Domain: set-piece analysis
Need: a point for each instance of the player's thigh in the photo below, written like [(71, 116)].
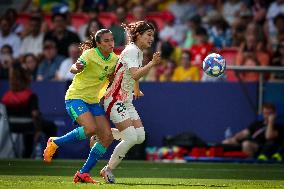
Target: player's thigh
[(79, 112), (134, 116), (103, 129), (118, 113), (88, 122)]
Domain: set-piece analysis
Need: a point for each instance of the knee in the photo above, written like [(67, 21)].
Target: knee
[(129, 135), (140, 135), (89, 131), (249, 147)]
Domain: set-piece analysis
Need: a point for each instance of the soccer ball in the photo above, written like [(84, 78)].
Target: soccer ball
[(214, 65)]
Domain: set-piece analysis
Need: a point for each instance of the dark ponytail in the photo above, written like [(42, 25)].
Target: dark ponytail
[(94, 38)]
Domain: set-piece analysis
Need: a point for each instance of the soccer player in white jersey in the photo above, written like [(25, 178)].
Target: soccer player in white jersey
[(118, 99)]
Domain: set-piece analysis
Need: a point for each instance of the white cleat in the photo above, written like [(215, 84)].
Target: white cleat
[(107, 175)]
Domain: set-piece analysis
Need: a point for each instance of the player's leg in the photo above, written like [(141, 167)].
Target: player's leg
[(137, 123), (102, 130), (121, 118), (250, 147), (79, 112)]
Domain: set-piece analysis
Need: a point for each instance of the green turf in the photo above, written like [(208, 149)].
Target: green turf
[(29, 174)]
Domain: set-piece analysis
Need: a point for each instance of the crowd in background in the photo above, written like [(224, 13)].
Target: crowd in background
[(43, 36)]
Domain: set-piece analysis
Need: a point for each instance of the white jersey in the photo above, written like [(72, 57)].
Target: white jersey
[(122, 86)]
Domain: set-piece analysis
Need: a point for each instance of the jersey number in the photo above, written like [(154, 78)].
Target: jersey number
[(120, 107)]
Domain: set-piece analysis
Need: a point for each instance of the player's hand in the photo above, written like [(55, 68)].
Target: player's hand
[(156, 58), (271, 118), (79, 66), (138, 94)]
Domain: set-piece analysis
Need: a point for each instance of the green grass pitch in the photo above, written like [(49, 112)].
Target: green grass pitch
[(29, 174)]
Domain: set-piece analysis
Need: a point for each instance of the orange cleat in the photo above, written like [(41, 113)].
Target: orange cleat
[(50, 149), (83, 178)]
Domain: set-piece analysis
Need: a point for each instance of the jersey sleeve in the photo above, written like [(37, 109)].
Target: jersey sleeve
[(84, 57), (130, 57)]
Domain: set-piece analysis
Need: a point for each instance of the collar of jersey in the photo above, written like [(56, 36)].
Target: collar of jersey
[(102, 57)]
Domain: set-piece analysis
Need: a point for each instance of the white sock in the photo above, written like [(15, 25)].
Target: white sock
[(140, 135), (129, 139), (116, 134)]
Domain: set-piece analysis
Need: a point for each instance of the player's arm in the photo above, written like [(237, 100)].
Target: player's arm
[(137, 93), (270, 132), (237, 137), (137, 73)]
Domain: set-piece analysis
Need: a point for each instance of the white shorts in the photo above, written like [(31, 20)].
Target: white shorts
[(119, 111)]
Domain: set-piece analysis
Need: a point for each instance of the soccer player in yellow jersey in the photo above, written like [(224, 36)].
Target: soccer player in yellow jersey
[(92, 71)]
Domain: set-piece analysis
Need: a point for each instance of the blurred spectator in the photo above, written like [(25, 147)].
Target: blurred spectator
[(50, 63), (48, 6), (259, 11), (254, 137), (32, 43), (169, 51), (21, 102), (278, 60), (117, 30), (275, 8), (278, 34), (238, 33), (83, 5), (182, 10), (6, 61), (231, 10), (12, 15), (172, 32), (139, 13), (30, 63), (249, 60), (219, 31), (37, 12), (185, 71), (93, 26), (63, 73), (62, 37), (255, 43), (165, 70), (201, 48), (8, 37), (92, 14), (191, 24)]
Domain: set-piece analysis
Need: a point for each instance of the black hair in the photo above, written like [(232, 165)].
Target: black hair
[(64, 16), (36, 19), (136, 28), (9, 47), (93, 39)]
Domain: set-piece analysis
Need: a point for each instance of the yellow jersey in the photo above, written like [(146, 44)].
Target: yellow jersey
[(190, 74), (90, 85)]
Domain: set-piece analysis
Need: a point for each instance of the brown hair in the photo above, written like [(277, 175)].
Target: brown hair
[(135, 28), (269, 106), (19, 78)]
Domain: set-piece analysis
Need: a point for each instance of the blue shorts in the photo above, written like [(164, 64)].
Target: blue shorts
[(77, 107)]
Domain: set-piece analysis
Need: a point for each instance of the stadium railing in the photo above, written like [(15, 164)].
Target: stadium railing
[(261, 70)]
